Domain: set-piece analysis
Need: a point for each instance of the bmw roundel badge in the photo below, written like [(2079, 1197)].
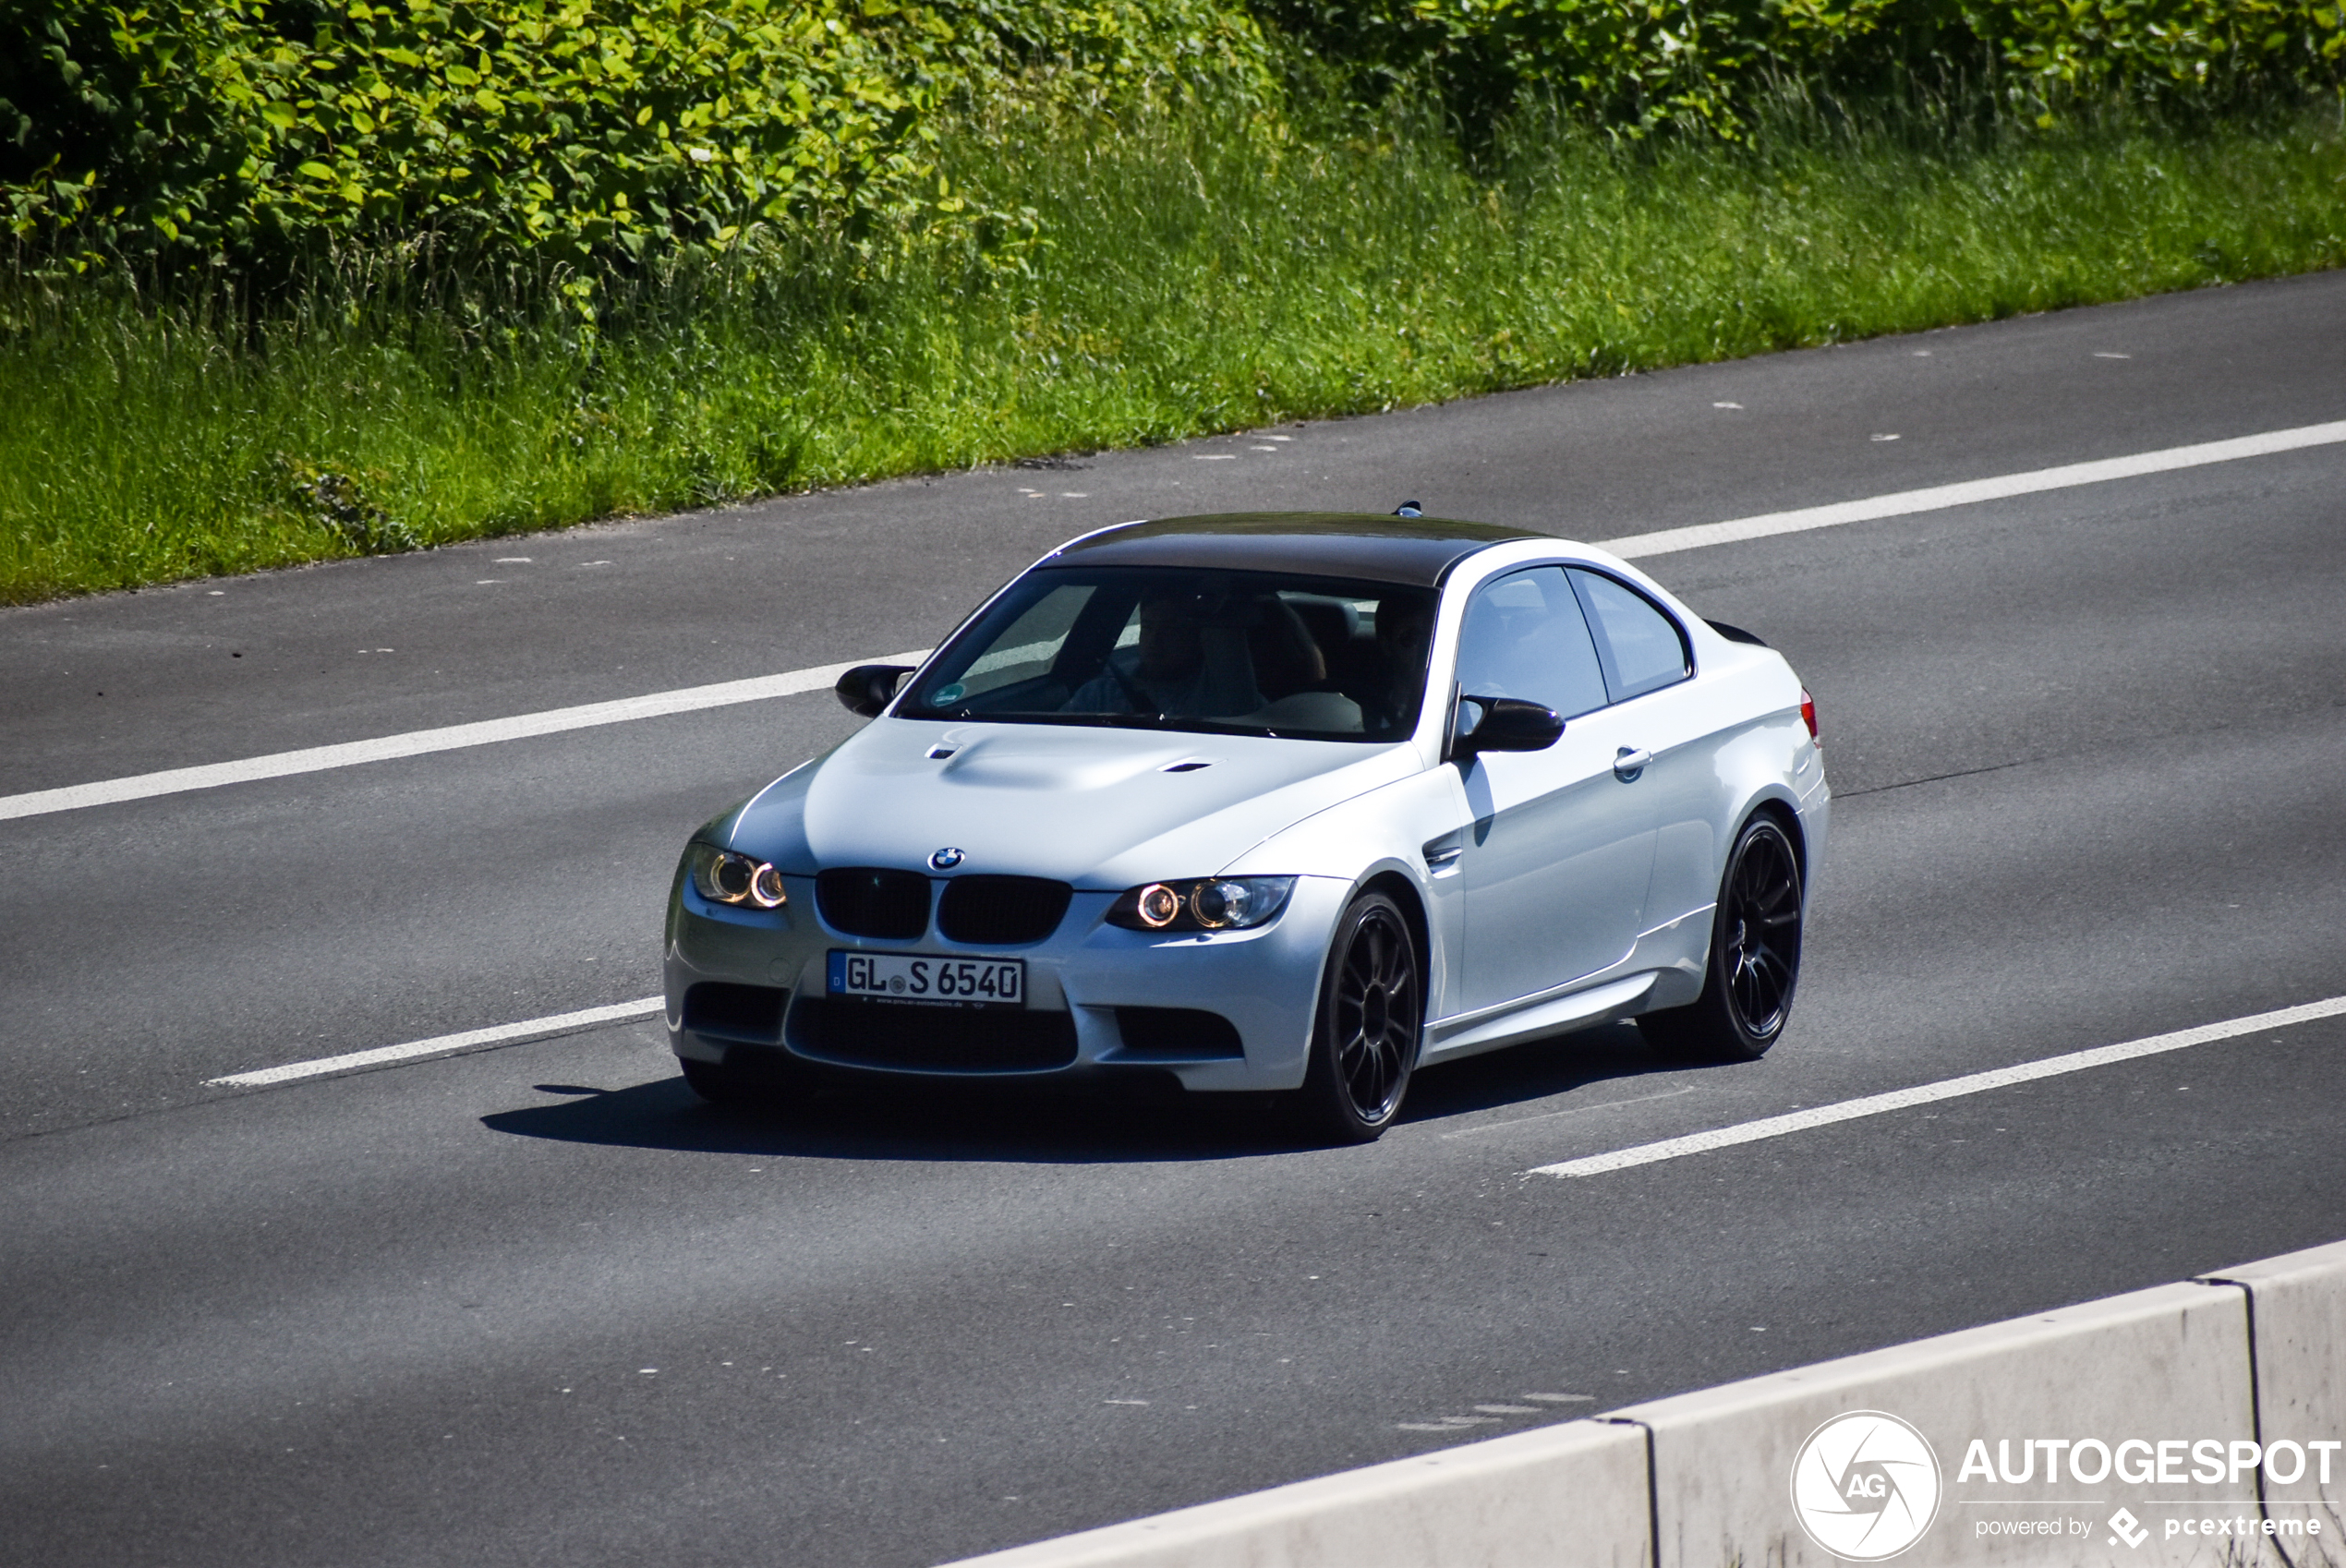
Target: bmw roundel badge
[(945, 860)]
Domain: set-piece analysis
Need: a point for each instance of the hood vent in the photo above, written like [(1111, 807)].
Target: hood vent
[(1002, 910), (1190, 766), (870, 901)]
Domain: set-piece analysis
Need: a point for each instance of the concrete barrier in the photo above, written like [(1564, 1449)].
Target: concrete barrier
[(2297, 1315), (2162, 1364), (1572, 1493), (2139, 1429)]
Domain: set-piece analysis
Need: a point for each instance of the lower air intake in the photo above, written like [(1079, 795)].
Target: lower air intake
[(1177, 1034), (735, 1012), (883, 1034)]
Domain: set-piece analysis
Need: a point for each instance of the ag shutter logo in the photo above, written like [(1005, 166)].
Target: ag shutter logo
[(1866, 1486)]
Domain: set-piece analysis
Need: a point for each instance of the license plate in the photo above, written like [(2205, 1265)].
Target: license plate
[(954, 982)]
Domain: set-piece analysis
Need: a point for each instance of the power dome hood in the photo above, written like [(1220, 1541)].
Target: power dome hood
[(1100, 808)]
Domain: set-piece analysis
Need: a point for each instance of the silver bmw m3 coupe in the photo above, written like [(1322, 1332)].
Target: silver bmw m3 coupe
[(1284, 801)]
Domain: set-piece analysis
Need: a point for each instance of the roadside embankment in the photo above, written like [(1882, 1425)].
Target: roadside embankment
[(281, 285), (1183, 281)]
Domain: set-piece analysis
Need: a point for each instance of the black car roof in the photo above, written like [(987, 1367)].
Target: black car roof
[(1322, 544)]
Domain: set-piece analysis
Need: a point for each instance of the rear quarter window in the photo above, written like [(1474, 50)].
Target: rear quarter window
[(1641, 649)]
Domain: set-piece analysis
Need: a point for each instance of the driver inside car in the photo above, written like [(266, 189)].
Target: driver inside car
[(1191, 659), (1404, 635)]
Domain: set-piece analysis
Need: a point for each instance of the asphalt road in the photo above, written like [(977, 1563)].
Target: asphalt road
[(536, 1305)]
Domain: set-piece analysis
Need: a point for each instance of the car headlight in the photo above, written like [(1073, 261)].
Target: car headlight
[(724, 877), (1211, 903)]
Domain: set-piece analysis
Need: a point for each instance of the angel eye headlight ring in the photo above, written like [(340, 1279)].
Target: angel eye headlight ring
[(724, 876), (1158, 906), (1220, 904), (729, 878), (1210, 903)]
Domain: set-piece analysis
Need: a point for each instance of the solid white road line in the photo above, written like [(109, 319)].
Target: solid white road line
[(1946, 1089), (657, 704), (1939, 497), (278, 765), (445, 1044)]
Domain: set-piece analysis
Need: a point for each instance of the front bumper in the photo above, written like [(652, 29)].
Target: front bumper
[(1264, 982)]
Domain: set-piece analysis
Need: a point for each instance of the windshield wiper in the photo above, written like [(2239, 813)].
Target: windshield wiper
[(1125, 720), (1185, 723)]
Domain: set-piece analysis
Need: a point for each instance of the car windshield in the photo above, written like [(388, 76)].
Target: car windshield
[(1256, 652)]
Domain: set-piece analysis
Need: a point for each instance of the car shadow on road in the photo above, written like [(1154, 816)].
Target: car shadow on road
[(916, 1122), (1101, 1124), (1540, 1070)]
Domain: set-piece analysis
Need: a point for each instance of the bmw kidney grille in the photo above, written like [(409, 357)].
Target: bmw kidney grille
[(1002, 910), (869, 901)]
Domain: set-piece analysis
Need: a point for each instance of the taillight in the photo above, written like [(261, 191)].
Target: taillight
[(1808, 715)]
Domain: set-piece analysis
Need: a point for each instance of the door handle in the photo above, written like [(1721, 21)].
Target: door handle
[(1629, 761)]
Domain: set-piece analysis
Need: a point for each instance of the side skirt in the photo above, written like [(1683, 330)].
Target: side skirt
[(1447, 1039)]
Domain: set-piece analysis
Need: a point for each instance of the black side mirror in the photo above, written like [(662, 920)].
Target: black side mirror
[(1508, 724), (869, 688)]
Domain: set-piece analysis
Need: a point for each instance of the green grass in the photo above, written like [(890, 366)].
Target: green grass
[(1189, 279)]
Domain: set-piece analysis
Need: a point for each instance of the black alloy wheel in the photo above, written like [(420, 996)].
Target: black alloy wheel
[(1755, 956), (1762, 940), (1364, 1042)]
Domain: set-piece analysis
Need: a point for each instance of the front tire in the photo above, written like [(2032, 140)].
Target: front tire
[(1755, 957), (1365, 1039)]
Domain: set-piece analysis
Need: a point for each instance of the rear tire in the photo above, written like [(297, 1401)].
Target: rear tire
[(1755, 957), (1365, 1038)]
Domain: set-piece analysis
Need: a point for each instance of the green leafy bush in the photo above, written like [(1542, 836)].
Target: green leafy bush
[(1633, 65), (569, 137), (296, 279), (253, 134)]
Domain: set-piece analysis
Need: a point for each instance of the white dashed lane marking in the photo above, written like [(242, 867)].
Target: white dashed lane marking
[(444, 1044), (1945, 1089), (1937, 497), (315, 759), (418, 743), (1496, 1412)]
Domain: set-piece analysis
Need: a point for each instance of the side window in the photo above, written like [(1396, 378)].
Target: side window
[(1642, 649), (1524, 636)]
